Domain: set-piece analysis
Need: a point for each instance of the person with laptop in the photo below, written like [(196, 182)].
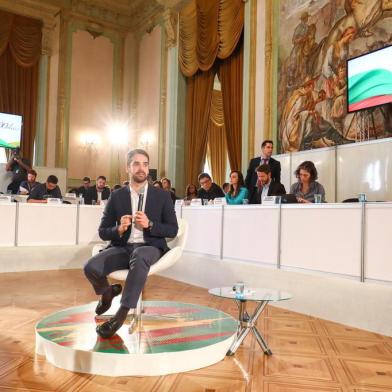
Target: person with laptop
[(265, 186), (42, 192), (307, 187)]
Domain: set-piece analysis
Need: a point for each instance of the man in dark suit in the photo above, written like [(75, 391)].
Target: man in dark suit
[(208, 189), (137, 219), (265, 185), (98, 192), (83, 189), (265, 158)]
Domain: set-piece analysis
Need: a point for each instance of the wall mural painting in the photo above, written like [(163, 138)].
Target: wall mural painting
[(315, 40)]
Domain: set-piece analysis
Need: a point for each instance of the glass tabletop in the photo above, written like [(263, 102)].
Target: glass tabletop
[(251, 294)]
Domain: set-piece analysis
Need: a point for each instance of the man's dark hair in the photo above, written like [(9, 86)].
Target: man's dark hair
[(264, 169), (86, 179), (33, 172), (134, 152), (203, 175), (101, 178), (117, 186), (52, 179), (310, 168), (266, 142)]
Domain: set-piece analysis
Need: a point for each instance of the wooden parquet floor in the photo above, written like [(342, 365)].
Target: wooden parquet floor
[(309, 354)]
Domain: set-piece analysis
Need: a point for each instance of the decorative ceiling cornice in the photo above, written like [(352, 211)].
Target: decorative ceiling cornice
[(138, 16), (45, 11)]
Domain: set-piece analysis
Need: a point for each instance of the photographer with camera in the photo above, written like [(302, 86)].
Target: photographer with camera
[(19, 166)]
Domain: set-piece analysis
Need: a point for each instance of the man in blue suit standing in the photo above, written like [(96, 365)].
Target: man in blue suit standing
[(136, 221)]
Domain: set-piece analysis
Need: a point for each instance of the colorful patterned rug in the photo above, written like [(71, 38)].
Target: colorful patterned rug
[(185, 327)]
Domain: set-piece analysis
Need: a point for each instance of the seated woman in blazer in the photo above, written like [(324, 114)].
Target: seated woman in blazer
[(307, 186)]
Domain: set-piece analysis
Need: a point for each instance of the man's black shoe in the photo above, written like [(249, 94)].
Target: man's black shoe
[(109, 328), (103, 306)]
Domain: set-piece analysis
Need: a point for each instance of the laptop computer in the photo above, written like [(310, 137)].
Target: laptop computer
[(289, 198)]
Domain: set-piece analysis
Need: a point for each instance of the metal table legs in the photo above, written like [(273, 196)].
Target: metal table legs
[(247, 323)]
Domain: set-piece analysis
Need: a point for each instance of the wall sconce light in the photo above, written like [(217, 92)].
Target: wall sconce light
[(146, 140), (90, 141)]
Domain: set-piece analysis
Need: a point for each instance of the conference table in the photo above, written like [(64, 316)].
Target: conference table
[(344, 239)]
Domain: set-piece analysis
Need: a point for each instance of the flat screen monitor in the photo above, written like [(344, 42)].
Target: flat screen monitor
[(369, 80), (10, 130)]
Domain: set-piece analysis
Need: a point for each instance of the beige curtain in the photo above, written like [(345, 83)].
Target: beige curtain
[(20, 50), (209, 29), (217, 139), (230, 75), (199, 93)]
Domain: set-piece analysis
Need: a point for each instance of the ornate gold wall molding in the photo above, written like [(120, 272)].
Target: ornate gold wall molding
[(162, 140), (65, 47), (268, 80), (170, 21), (47, 39), (252, 79)]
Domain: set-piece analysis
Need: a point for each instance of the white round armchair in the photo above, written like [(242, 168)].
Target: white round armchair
[(176, 246)]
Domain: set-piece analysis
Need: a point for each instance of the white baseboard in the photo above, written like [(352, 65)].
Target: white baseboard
[(362, 305), (39, 258)]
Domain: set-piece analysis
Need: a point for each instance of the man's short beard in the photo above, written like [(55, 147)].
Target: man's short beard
[(137, 180)]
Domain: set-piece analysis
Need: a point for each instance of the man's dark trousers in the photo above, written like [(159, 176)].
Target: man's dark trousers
[(138, 258)]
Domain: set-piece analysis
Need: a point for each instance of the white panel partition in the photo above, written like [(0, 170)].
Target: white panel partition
[(251, 233), (43, 224), (205, 229), (378, 243), (323, 238), (89, 220), (177, 208), (324, 160), (7, 224), (285, 166), (365, 168)]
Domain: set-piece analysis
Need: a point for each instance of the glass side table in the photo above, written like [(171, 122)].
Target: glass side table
[(246, 322)]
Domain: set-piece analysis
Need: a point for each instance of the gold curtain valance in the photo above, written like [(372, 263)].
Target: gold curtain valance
[(23, 36), (209, 29)]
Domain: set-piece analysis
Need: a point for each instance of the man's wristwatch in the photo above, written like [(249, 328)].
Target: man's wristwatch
[(150, 224)]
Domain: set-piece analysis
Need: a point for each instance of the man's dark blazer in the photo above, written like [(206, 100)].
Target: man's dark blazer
[(92, 194), (251, 175), (158, 208), (275, 189)]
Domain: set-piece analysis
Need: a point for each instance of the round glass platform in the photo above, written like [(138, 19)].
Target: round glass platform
[(179, 337)]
